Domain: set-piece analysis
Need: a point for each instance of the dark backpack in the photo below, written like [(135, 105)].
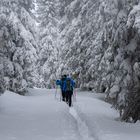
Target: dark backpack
[(62, 84), (69, 85)]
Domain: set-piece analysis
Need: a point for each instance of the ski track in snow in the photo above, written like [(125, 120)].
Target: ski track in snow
[(91, 132), (82, 127)]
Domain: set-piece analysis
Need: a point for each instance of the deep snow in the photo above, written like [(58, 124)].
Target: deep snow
[(41, 116)]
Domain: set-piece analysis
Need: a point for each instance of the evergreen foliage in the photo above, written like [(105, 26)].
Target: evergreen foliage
[(17, 45)]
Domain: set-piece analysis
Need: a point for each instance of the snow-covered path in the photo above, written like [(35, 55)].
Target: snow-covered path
[(39, 116), (35, 118)]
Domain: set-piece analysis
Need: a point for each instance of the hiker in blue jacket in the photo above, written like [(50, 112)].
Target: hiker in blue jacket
[(67, 85), (61, 84)]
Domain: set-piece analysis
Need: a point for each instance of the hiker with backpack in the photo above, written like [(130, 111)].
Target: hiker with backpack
[(67, 86), (61, 84), (69, 90)]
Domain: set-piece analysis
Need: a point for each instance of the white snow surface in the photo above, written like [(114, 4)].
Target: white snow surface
[(42, 116)]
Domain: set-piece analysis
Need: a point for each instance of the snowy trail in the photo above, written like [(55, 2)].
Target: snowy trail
[(82, 127), (35, 118), (40, 117)]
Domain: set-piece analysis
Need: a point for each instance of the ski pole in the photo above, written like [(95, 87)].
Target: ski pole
[(75, 95), (55, 93), (60, 96)]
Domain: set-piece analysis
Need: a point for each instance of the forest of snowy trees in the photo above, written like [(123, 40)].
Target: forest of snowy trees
[(95, 41)]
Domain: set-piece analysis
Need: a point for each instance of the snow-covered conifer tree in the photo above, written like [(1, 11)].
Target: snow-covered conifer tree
[(48, 18), (17, 46)]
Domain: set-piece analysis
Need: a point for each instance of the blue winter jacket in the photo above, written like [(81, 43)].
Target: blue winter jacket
[(63, 84)]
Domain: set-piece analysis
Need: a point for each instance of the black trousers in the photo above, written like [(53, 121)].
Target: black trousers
[(69, 97), (63, 95)]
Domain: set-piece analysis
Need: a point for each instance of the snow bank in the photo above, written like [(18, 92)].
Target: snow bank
[(102, 120)]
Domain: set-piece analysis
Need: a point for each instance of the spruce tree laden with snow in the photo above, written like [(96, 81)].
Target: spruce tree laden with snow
[(48, 19), (17, 45)]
